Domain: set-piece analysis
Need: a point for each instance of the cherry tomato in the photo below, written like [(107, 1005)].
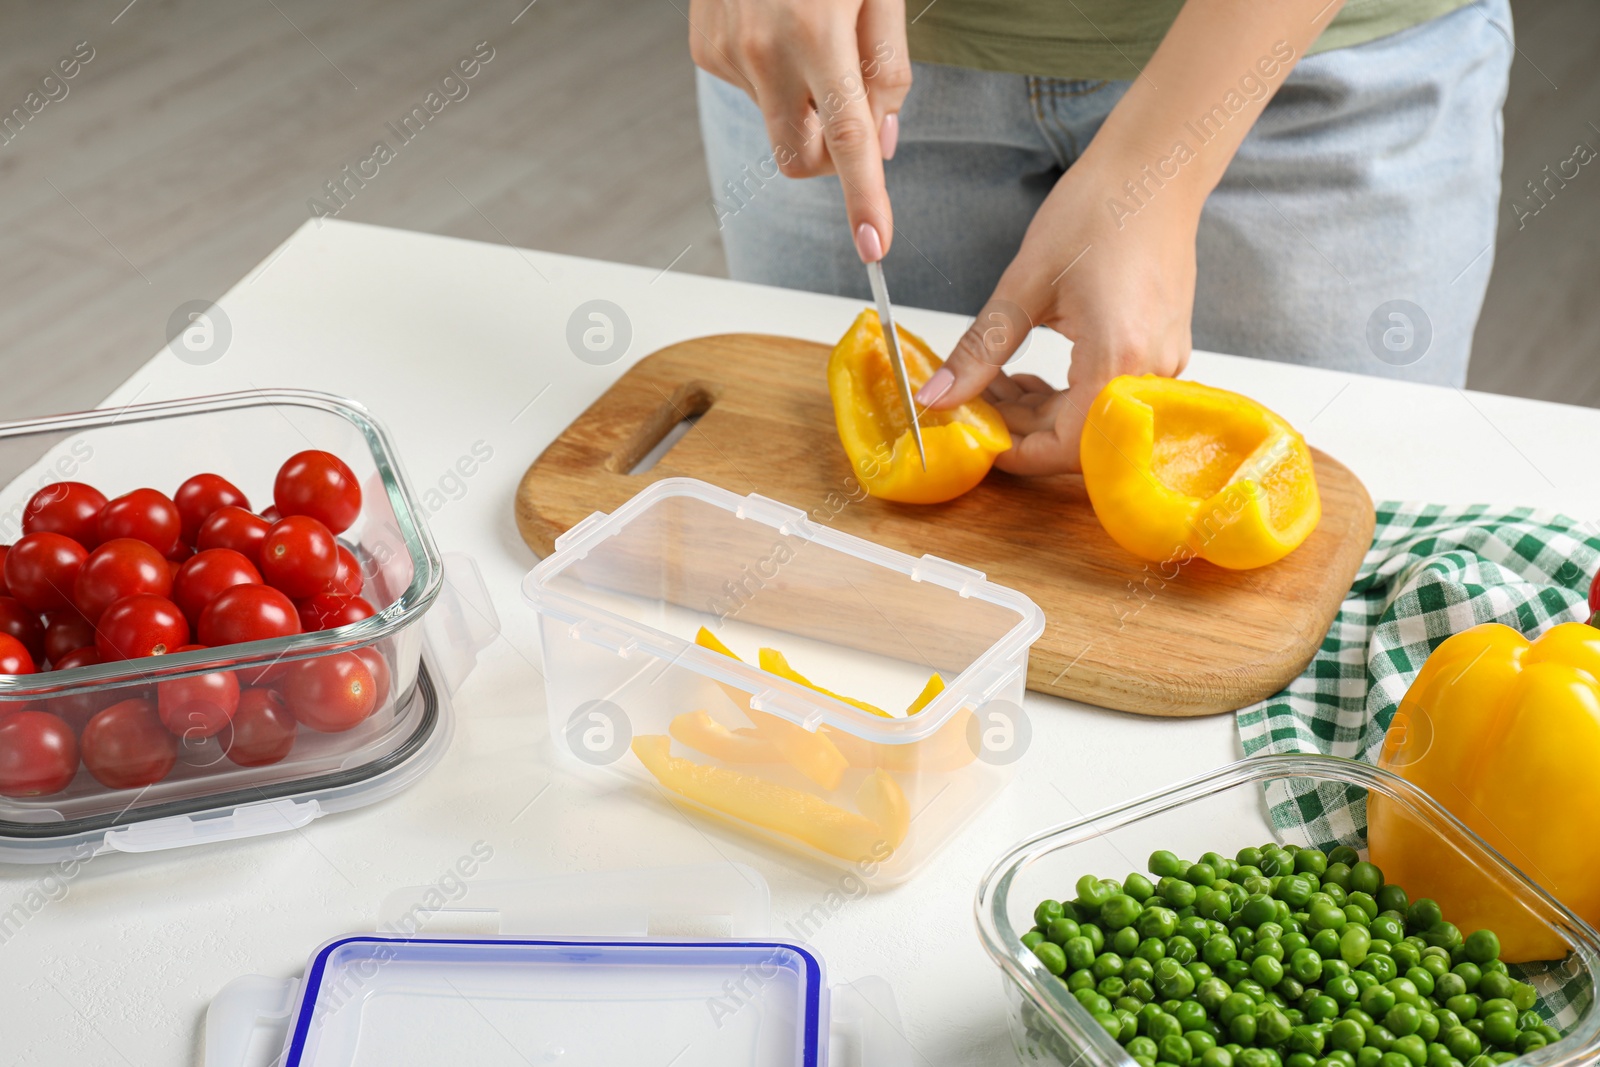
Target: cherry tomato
[(198, 497), (299, 556), (271, 513), (141, 625), (23, 624), (262, 730), (119, 568), (329, 611), (235, 528), (70, 509), (320, 485), (38, 754), (42, 568), (15, 657), (247, 613), (206, 575), (182, 554), (200, 705), (145, 515), (126, 747), (5, 590), (1594, 594), (331, 693), (347, 579), (381, 678), (65, 632), (77, 708)]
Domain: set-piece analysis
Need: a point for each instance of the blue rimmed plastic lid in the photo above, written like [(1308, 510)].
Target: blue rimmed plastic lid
[(573, 1002)]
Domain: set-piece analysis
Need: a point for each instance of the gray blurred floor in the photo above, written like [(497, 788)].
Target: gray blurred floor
[(193, 141)]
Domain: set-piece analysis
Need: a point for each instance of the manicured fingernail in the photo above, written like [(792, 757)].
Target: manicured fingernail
[(868, 245), (935, 387), (889, 134)]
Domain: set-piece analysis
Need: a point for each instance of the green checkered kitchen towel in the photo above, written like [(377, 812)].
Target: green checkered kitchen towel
[(1431, 572)]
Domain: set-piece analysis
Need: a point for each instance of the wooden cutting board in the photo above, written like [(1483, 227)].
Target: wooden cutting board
[(1120, 633)]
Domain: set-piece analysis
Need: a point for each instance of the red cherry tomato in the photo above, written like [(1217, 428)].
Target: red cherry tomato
[(38, 754), (198, 706), (15, 657), (182, 554), (271, 513), (71, 509), (1594, 594), (119, 568), (65, 632), (42, 568), (331, 693), (299, 556), (247, 613), (381, 677), (320, 485), (144, 515), (126, 747), (5, 590), (141, 625), (79, 707), (206, 575), (329, 611), (235, 528), (23, 624), (262, 731), (198, 497), (347, 579)]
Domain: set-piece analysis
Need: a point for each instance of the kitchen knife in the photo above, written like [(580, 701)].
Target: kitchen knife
[(880, 293)]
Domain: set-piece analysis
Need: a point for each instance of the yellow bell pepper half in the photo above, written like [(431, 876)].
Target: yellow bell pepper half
[(1176, 469), (884, 820), (1505, 734), (961, 443)]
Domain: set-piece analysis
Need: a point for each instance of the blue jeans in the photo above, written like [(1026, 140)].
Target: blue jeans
[(1353, 230)]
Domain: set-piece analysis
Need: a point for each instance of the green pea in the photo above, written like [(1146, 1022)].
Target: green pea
[(1402, 1019), (1046, 911), (1125, 941), (1327, 917), (1447, 986), (1344, 990), (1258, 883), (1119, 911), (1176, 892), (1334, 968), (1125, 1002), (1164, 864), (1365, 878), (1180, 948), (1524, 996), (1106, 965), (1377, 1001), (1276, 863), (1190, 1015), (1243, 1029), (1356, 1015), (1443, 935), (1326, 942), (1080, 979), (1163, 1025), (1151, 949), (1216, 1057), (1195, 928), (1050, 954), (1307, 1039), (1412, 1048), (1079, 952), (1031, 938), (1405, 954), (1388, 929), (1393, 1059), (1347, 1036), (1306, 965), (1495, 986), (1138, 887), (1369, 1056), (1092, 1000), (1200, 874), (1337, 874), (1310, 861), (1500, 1028), (1423, 915), (1211, 992), (1109, 1022), (1354, 945), (1336, 894), (1214, 905), (1158, 922), (1061, 931), (1529, 1040), (1344, 854), (1094, 892), (1174, 1049), (1383, 968), (1321, 1008), (1365, 902), (1392, 898), (1248, 857), (1235, 971), (1266, 970), (1273, 1026), (1267, 946), (1422, 978), (1096, 936), (1142, 1047), (1257, 1057), (1172, 980), (1219, 950), (1295, 890), (1141, 989), (1462, 1043)]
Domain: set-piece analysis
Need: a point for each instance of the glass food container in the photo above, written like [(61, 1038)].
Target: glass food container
[(811, 768), (1223, 811), (244, 437)]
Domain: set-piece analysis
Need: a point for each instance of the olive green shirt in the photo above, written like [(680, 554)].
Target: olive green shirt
[(1103, 39)]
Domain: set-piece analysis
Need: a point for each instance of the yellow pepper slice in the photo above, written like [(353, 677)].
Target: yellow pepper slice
[(961, 444), (1505, 733), (701, 732), (791, 812), (774, 662), (1176, 469)]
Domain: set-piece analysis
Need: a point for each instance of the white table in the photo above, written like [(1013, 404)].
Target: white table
[(453, 343)]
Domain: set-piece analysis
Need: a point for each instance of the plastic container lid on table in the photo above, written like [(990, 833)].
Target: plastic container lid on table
[(631, 693), (637, 966)]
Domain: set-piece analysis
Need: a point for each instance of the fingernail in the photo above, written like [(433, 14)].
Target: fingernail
[(935, 387), (868, 245), (889, 134)]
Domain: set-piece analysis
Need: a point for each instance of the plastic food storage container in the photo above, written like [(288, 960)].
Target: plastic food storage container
[(244, 437), (667, 966), (620, 602), (1223, 812)]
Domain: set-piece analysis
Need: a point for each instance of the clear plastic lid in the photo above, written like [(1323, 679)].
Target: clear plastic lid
[(671, 969)]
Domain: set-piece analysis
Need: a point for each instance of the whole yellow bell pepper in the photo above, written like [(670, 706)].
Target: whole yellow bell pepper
[(1176, 469), (1505, 734), (961, 444)]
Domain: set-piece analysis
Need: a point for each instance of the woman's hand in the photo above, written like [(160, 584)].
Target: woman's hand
[(1119, 284), (829, 76)]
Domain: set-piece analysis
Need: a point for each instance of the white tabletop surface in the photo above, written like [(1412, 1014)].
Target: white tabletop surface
[(454, 343)]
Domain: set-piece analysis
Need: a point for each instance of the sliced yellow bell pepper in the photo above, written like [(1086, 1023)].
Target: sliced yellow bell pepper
[(790, 812), (961, 444), (774, 662), (701, 732), (1176, 469), (1505, 733)]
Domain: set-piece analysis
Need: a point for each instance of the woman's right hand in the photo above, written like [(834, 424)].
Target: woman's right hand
[(829, 76)]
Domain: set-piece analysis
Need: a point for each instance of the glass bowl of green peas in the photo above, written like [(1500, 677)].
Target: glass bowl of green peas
[(1177, 931)]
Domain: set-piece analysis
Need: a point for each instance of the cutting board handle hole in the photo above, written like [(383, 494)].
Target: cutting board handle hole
[(668, 425)]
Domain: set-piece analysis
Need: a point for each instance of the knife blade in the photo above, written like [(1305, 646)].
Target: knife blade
[(880, 293)]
